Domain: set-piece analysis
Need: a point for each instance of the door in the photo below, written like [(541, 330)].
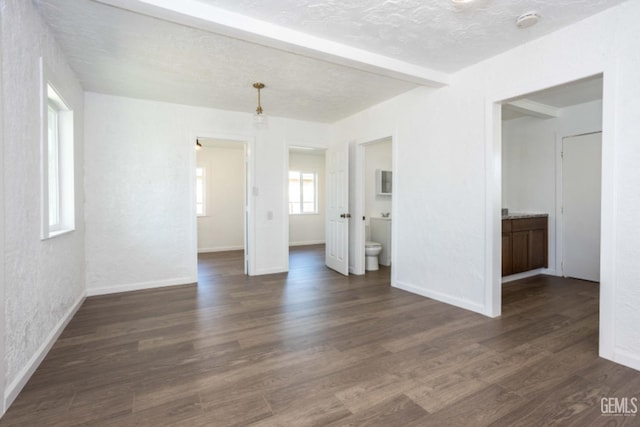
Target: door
[(337, 222), (581, 171)]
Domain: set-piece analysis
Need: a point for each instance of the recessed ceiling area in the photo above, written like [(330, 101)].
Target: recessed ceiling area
[(545, 103), (175, 52)]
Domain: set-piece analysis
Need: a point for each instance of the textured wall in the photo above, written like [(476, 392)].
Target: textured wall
[(222, 228), (43, 278), (444, 146), (2, 226), (308, 229), (140, 228)]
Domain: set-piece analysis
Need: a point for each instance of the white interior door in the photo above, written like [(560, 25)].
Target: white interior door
[(337, 221), (581, 172)]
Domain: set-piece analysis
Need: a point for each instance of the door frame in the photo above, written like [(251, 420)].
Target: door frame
[(358, 237), (493, 205), (249, 183)]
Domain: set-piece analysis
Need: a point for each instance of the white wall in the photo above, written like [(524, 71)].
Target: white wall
[(377, 156), (308, 229), (222, 228), (2, 271), (44, 279), (447, 203), (530, 159), (146, 236)]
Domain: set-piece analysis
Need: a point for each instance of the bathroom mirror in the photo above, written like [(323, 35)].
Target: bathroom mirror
[(383, 182)]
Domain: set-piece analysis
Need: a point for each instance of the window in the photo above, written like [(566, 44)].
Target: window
[(53, 157), (200, 191), (58, 197), (303, 193)]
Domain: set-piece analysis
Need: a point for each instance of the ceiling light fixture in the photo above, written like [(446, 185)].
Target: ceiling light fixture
[(260, 121), (461, 1), (527, 20), (198, 145)]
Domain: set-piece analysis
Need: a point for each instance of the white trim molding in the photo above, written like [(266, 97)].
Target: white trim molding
[(220, 249), (307, 243), (438, 296), (27, 371), (128, 287)]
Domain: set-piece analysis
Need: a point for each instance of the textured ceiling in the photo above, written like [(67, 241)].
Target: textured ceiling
[(438, 34), (115, 51), (122, 53)]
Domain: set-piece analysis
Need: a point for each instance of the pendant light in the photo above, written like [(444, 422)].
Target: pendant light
[(198, 145), (260, 121)]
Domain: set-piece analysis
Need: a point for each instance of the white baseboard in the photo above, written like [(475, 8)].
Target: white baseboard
[(25, 373), (220, 249), (627, 359), (308, 242), (141, 285), (448, 299), (524, 275), (271, 271)]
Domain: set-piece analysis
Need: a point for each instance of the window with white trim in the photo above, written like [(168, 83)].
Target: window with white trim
[(303, 193), (200, 191), (58, 185)]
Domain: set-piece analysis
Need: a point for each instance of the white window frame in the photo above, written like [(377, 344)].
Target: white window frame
[(302, 199), (204, 191), (57, 161)]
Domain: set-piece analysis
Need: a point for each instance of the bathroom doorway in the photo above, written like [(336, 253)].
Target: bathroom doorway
[(373, 206)]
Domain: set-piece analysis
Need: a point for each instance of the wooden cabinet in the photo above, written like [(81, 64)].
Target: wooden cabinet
[(507, 248), (524, 244)]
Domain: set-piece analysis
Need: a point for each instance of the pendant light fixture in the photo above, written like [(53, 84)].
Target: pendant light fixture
[(260, 121), (198, 145)]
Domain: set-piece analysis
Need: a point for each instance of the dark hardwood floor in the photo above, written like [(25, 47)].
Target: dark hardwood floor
[(312, 347)]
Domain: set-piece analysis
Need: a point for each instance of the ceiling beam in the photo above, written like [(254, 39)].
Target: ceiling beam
[(220, 21), (532, 108)]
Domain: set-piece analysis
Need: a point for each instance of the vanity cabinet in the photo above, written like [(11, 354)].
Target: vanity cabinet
[(524, 244)]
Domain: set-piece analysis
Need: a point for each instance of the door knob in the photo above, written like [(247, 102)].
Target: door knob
[(345, 215)]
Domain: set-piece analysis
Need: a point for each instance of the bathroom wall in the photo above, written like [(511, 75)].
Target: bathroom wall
[(377, 156), (308, 229), (222, 226)]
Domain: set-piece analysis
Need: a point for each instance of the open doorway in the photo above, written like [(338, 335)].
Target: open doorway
[(306, 205), (551, 198), (551, 165), (373, 206), (222, 202)]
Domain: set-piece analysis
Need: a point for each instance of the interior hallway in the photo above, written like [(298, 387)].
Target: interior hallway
[(314, 347)]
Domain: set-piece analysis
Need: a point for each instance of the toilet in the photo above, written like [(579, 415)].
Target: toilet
[(371, 251)]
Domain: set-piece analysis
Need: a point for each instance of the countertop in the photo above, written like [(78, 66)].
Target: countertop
[(520, 215)]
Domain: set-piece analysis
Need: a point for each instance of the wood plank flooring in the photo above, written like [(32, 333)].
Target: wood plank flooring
[(312, 347)]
